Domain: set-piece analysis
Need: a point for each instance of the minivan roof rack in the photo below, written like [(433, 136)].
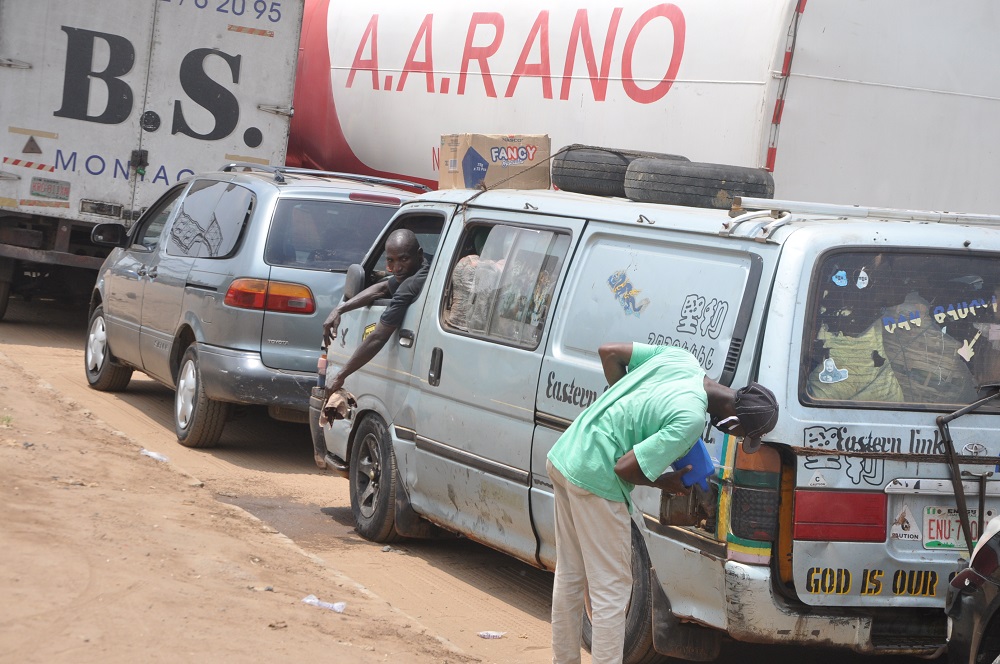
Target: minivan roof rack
[(279, 172), (743, 204)]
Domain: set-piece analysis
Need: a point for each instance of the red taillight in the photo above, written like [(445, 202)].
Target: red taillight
[(276, 296), (290, 298), (247, 293), (361, 197), (840, 516)]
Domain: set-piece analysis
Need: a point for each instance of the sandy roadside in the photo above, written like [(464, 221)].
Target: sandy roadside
[(113, 556)]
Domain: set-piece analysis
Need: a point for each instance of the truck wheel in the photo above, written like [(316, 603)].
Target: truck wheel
[(587, 169), (373, 482), (198, 420), (695, 184), (639, 614), (4, 297), (103, 371)]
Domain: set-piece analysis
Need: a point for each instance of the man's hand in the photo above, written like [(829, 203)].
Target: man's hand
[(671, 482), (330, 326), (334, 384)]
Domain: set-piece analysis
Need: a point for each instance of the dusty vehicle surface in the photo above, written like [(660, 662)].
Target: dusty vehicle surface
[(877, 329), (220, 288)]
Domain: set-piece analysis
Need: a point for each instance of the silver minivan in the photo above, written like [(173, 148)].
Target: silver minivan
[(220, 289), (878, 331)]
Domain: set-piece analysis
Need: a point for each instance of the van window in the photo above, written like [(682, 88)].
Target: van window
[(501, 286), (908, 329), (323, 235), (427, 228), (148, 235), (211, 220)]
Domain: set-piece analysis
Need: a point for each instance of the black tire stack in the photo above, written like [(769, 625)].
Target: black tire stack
[(650, 177)]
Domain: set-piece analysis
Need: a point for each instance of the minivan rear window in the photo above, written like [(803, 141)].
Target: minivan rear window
[(323, 235), (909, 329)]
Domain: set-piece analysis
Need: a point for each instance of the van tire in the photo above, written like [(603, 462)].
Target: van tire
[(639, 614), (373, 481), (104, 373), (198, 420), (695, 184), (587, 169)]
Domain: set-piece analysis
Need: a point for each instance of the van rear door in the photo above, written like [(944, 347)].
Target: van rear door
[(886, 341)]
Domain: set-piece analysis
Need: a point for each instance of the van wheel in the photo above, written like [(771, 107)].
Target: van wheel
[(587, 169), (373, 482), (198, 420), (103, 371), (695, 184), (639, 614)]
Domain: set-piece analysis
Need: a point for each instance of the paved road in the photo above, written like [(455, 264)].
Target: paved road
[(452, 589)]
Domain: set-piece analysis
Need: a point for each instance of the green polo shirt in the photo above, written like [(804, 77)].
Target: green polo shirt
[(657, 410)]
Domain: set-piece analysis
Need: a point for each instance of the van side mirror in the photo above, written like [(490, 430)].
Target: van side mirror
[(354, 281), (109, 235)]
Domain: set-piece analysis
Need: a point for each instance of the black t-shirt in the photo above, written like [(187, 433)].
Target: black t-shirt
[(403, 295)]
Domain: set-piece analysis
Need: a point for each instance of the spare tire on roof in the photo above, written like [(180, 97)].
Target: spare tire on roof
[(696, 184), (589, 169)]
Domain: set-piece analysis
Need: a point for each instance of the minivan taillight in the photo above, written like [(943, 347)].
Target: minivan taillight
[(278, 296), (840, 516)]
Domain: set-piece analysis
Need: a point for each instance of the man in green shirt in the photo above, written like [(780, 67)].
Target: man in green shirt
[(651, 415)]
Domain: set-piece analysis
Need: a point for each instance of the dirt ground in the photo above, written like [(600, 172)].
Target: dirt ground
[(110, 556)]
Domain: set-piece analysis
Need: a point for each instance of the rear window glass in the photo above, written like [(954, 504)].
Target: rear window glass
[(913, 329), (211, 220), (323, 235)]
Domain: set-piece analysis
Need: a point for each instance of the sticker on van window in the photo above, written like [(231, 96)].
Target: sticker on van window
[(621, 285), (862, 281), (840, 278), (830, 372)]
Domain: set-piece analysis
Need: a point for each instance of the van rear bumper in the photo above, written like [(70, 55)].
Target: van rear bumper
[(755, 615), (238, 376)]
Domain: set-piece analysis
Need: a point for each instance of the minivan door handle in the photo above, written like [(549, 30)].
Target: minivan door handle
[(434, 375), (406, 338)]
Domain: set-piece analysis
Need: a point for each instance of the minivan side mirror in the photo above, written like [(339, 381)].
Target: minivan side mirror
[(109, 235), (354, 281)]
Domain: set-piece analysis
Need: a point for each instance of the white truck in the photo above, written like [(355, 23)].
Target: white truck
[(892, 103), (107, 104)]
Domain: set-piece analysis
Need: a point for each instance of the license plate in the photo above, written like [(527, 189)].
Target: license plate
[(46, 188), (943, 528)]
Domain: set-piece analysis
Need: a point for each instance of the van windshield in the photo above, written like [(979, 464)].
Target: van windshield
[(916, 330)]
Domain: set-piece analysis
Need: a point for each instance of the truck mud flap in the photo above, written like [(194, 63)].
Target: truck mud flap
[(673, 638)]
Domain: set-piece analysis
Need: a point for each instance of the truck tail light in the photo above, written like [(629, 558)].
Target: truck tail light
[(279, 296), (840, 516)]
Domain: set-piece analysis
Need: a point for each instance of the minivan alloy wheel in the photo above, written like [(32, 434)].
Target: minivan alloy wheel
[(198, 420), (104, 373)]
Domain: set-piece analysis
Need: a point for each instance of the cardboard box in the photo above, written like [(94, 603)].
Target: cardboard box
[(515, 161)]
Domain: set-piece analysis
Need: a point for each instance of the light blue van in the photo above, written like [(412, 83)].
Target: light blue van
[(877, 329)]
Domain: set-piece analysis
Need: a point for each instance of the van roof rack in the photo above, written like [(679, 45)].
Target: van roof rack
[(743, 204), (279, 171)]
